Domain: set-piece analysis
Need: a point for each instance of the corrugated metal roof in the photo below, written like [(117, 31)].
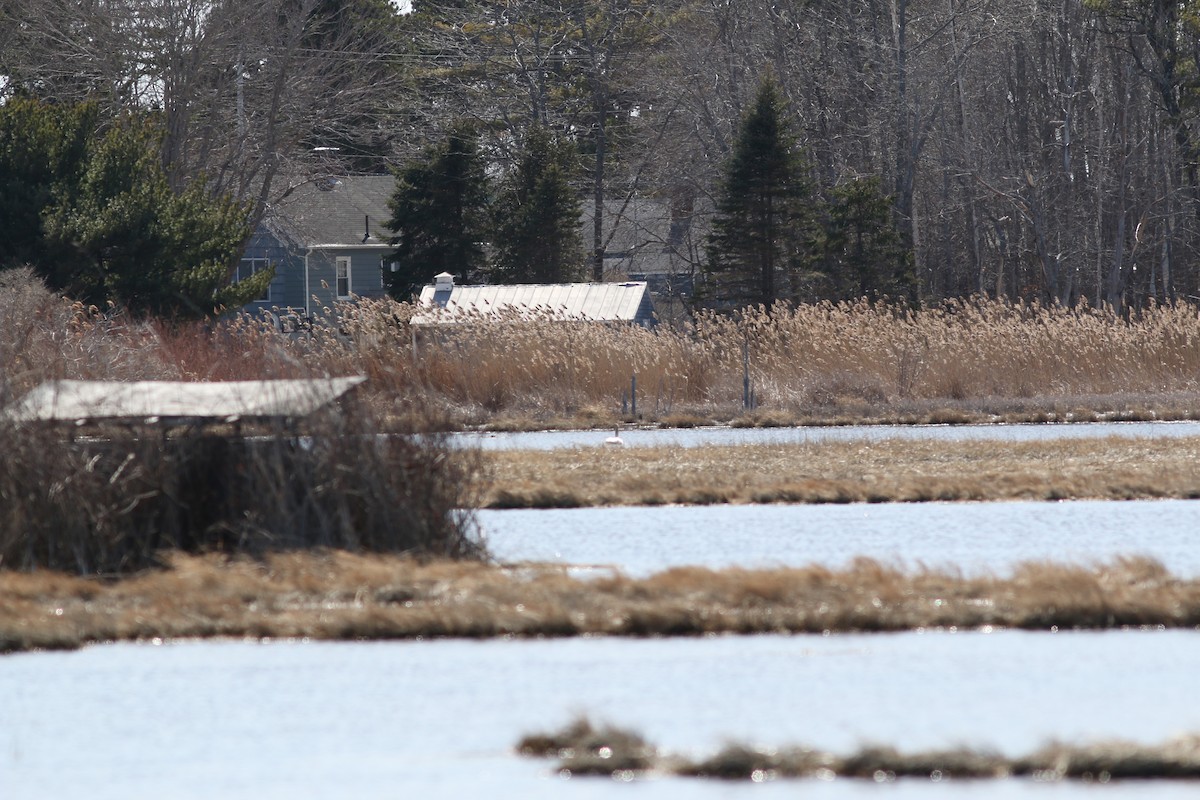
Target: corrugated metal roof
[(160, 401), (334, 212), (600, 302)]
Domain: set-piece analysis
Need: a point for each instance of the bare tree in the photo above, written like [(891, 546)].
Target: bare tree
[(246, 89), (583, 68)]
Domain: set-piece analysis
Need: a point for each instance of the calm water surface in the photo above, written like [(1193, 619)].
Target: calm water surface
[(694, 437), (439, 719), (975, 537)]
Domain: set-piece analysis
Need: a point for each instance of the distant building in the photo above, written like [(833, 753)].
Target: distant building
[(661, 242), (624, 303), (651, 240), (327, 240)]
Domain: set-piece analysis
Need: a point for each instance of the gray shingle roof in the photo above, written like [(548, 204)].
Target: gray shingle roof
[(335, 211), (644, 235)]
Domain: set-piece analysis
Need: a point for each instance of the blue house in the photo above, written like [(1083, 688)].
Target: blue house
[(327, 239)]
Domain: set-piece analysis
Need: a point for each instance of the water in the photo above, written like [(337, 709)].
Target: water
[(975, 537), (694, 437), (439, 719)]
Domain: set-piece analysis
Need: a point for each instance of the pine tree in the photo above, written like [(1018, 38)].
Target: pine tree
[(862, 252), (43, 148), (536, 216), (99, 222), (439, 215), (761, 244)]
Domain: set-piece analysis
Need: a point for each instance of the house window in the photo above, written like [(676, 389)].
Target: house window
[(343, 277), (252, 266)]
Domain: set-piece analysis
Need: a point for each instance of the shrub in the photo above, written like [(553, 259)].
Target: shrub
[(115, 504)]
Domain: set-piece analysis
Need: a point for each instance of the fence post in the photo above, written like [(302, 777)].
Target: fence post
[(746, 373)]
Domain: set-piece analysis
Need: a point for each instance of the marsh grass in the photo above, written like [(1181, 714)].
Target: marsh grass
[(969, 360), (847, 471), (1100, 761), (964, 361), (340, 595)]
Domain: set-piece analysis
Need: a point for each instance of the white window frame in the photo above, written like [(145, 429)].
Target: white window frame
[(341, 277), (252, 266)]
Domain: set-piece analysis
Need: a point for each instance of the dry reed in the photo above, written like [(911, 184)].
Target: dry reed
[(1099, 762), (343, 595), (847, 471), (831, 363), (111, 505), (828, 363)]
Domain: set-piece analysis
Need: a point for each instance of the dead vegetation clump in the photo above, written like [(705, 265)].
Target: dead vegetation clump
[(341, 595), (1115, 760), (585, 749), (113, 504), (1099, 762), (741, 762)]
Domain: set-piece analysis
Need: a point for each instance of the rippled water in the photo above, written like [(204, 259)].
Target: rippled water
[(439, 719), (693, 437), (975, 537)]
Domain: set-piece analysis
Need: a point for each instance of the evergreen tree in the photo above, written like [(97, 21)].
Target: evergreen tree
[(536, 216), (99, 221), (439, 215), (760, 249), (862, 252), (42, 148)]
